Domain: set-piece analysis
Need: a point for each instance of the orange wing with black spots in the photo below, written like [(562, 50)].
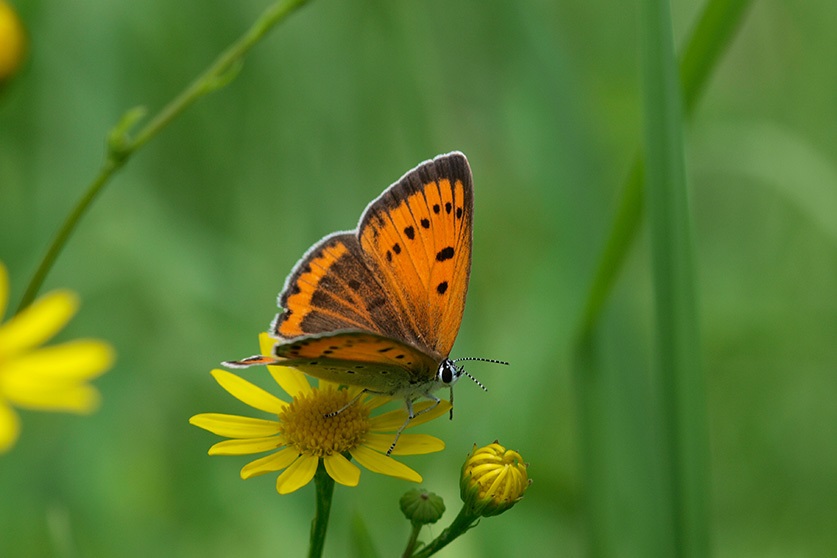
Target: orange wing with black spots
[(418, 234), (402, 274), (379, 363), (332, 289)]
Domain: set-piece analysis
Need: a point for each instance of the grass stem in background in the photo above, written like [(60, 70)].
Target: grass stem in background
[(121, 146), (714, 31), (677, 377)]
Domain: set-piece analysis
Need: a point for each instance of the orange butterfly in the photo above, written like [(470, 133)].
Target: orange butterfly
[(380, 306)]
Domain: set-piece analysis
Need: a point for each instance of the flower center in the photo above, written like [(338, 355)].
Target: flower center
[(306, 427)]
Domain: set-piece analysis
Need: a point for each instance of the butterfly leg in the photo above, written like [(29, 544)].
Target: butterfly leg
[(411, 415), (347, 405)]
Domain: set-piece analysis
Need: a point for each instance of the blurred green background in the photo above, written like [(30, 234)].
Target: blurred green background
[(179, 261)]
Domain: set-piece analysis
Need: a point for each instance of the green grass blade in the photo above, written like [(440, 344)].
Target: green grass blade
[(678, 378), (715, 29)]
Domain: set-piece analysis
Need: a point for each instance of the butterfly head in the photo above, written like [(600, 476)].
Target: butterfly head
[(448, 373)]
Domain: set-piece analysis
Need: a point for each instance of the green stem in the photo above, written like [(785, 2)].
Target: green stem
[(712, 34), (411, 544), (319, 525), (678, 372), (461, 524), (121, 147)]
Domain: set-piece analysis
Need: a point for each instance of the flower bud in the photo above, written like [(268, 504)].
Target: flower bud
[(12, 42), (422, 507), (493, 480)]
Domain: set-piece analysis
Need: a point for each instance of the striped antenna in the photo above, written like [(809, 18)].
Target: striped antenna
[(482, 359), (462, 370)]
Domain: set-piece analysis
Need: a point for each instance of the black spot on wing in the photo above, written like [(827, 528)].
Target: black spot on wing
[(442, 287), (410, 232), (375, 303), (444, 254)]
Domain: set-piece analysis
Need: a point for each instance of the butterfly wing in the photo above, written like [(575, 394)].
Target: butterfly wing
[(418, 236), (378, 363), (402, 275), (333, 289)]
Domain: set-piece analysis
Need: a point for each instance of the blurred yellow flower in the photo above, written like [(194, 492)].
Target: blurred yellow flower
[(44, 378), (493, 480), (302, 433), (12, 42)]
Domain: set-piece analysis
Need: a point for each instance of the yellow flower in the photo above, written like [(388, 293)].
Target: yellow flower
[(12, 42), (493, 480), (301, 433), (45, 378)]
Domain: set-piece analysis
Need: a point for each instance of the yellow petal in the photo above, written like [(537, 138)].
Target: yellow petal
[(74, 398), (291, 380), (394, 419), (297, 475), (247, 445), (408, 444), (248, 393), (270, 463), (324, 385), (234, 426), (70, 362), (380, 463), (341, 469), (38, 322), (377, 400), (266, 343), (4, 290), (9, 427), (441, 409)]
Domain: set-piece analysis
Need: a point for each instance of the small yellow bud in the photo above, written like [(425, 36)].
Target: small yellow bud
[(493, 480), (12, 42)]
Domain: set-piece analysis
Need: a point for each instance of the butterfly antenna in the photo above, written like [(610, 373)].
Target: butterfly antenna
[(479, 383), (494, 361), (462, 371), (482, 359)]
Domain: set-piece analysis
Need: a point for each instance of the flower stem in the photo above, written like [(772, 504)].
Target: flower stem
[(411, 544), (120, 146), (462, 523), (325, 491)]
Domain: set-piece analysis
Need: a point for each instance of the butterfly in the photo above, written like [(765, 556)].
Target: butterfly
[(380, 306)]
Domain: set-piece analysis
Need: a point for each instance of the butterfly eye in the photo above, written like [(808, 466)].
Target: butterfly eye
[(448, 374)]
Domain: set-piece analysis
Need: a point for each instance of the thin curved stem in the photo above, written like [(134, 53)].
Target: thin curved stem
[(411, 543), (120, 146), (459, 526)]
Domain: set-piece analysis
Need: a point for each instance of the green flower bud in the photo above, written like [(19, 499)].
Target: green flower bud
[(422, 507)]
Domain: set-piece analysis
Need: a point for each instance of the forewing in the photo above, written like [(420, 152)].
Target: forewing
[(332, 288), (418, 236)]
